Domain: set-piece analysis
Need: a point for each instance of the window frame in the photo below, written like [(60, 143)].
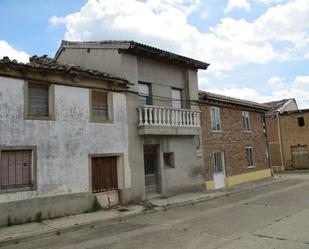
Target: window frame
[(173, 160), (252, 157), (176, 100), (110, 111), (215, 119), (51, 102), (301, 121), (33, 185), (246, 116), (148, 97)]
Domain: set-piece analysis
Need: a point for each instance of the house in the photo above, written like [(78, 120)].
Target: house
[(63, 138), (234, 140), (163, 115), (288, 135)]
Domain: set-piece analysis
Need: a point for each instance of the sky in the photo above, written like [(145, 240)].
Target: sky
[(257, 49)]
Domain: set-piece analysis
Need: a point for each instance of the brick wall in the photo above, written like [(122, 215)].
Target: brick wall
[(233, 140)]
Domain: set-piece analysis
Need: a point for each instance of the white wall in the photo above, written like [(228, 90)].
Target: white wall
[(63, 145)]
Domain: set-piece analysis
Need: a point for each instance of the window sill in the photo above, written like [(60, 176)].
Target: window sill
[(16, 189), (247, 131), (42, 118), (251, 167), (109, 121), (220, 131)]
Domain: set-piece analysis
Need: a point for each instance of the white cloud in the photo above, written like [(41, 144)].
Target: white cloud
[(164, 23), (270, 2), (204, 15), (7, 50), (237, 4), (280, 89)]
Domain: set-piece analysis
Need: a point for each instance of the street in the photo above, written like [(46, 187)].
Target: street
[(275, 216)]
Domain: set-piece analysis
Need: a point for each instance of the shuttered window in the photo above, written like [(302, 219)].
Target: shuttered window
[(15, 169), (38, 100), (99, 106)]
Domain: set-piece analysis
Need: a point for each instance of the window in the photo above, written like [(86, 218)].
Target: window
[(215, 118), (144, 94), (176, 98), (249, 154), (169, 161), (15, 168), (99, 106), (301, 121), (39, 101), (245, 120), (218, 162)]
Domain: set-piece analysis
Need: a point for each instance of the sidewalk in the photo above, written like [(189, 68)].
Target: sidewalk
[(35, 230)]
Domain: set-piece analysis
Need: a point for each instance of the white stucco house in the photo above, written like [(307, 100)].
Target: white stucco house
[(63, 139)]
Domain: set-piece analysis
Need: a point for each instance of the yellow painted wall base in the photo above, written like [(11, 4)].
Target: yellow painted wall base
[(238, 179)]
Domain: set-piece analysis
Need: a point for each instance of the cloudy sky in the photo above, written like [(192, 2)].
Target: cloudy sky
[(258, 49)]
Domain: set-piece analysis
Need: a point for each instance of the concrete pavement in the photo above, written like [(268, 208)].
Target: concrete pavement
[(248, 218)]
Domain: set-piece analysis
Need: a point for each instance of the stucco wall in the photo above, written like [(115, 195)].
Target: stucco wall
[(62, 145), (233, 140)]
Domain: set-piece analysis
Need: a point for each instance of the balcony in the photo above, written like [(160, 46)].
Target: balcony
[(155, 120)]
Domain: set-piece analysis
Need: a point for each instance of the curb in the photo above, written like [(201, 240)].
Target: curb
[(56, 231)]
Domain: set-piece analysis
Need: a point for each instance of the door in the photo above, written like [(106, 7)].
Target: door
[(218, 169), (151, 168), (300, 156), (104, 174)]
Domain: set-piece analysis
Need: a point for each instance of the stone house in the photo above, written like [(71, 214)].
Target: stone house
[(59, 124), (234, 140), (163, 115), (287, 128)]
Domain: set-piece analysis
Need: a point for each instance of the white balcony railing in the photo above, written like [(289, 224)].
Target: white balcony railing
[(162, 116)]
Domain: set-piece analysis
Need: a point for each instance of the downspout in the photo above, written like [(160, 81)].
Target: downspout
[(267, 145), (279, 134)]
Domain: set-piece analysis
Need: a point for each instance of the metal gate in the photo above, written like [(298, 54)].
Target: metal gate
[(104, 174), (300, 157)]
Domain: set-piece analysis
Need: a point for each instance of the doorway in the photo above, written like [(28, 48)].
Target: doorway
[(218, 169), (151, 155)]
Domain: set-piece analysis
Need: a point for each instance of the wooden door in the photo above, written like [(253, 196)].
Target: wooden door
[(300, 157), (104, 174)]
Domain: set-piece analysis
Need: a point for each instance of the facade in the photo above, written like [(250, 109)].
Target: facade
[(59, 125), (234, 140), (274, 130), (163, 116)]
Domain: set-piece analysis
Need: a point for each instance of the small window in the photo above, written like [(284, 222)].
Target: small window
[(144, 94), (249, 155), (169, 161), (246, 122), (215, 118), (16, 169), (38, 100), (218, 162), (99, 106), (176, 98), (301, 121)]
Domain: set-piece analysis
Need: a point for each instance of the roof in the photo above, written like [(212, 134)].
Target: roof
[(45, 63), (299, 111), (135, 48), (213, 97), (277, 105)]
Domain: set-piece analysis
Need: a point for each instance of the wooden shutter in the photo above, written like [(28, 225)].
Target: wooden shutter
[(99, 106), (15, 168), (38, 103)]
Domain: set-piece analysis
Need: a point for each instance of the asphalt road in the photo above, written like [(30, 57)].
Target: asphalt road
[(270, 217)]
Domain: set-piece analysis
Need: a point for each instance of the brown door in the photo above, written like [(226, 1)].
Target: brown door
[(151, 169), (104, 174), (300, 156)]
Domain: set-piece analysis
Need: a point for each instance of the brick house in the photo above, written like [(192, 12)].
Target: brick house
[(60, 125), (234, 140), (276, 133)]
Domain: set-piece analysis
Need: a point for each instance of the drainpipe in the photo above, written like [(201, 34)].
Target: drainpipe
[(279, 134), (267, 145)]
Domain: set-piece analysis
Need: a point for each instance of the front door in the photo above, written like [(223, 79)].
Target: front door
[(104, 174), (300, 157), (218, 169), (151, 168)]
